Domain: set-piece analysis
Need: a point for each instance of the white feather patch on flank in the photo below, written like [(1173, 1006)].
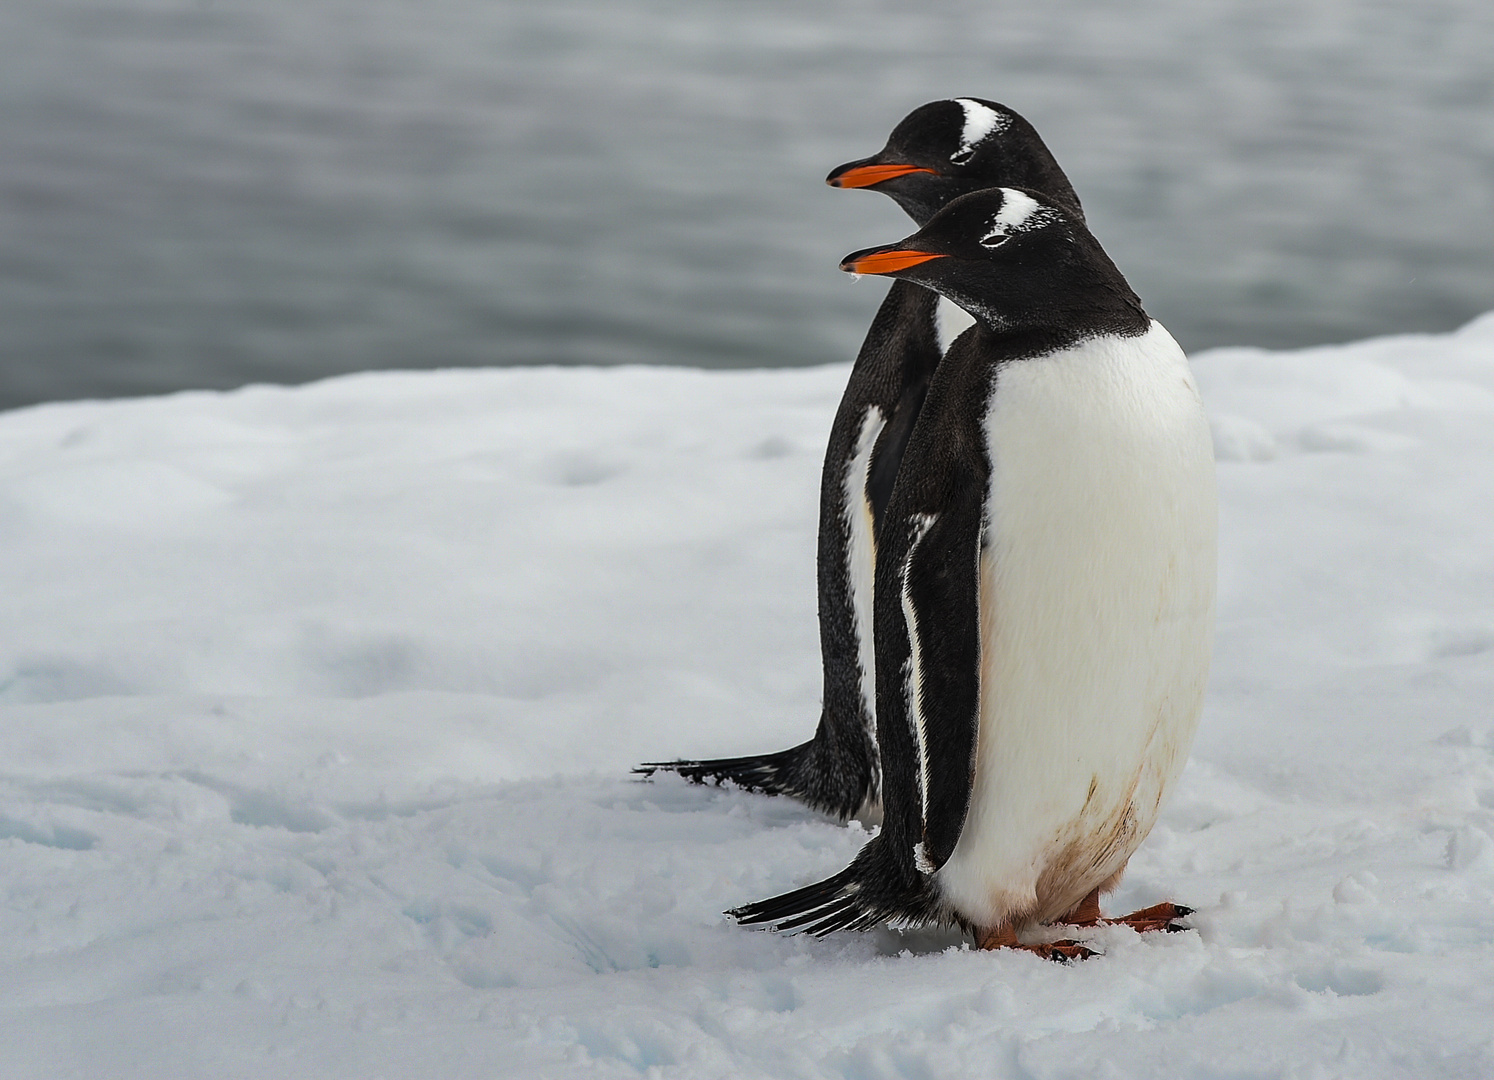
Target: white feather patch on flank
[(981, 122), (913, 669), (861, 557), (950, 321)]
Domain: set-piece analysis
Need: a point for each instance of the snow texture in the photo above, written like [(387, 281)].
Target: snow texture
[(317, 708)]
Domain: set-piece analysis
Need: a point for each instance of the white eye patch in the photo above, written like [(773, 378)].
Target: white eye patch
[(981, 122), (1019, 213)]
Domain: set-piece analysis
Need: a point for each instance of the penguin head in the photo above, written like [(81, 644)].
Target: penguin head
[(1014, 259), (946, 149)]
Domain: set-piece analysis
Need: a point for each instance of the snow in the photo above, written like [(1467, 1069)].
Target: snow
[(317, 708)]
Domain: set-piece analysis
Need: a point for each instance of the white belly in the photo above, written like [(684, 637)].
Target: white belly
[(1097, 606)]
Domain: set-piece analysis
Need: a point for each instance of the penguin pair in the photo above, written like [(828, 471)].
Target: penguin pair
[(939, 152), (1016, 560)]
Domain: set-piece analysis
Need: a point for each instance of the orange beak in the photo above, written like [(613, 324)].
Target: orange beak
[(867, 175), (888, 262)]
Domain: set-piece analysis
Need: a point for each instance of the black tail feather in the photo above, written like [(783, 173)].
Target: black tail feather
[(874, 889), (770, 774), (794, 910), (833, 781)]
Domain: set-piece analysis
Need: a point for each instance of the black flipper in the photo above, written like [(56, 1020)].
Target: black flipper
[(838, 772), (929, 565)]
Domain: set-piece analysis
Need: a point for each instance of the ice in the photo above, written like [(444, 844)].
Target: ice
[(317, 708)]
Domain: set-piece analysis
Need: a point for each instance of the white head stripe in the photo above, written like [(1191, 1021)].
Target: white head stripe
[(1016, 208), (980, 122), (1019, 213)]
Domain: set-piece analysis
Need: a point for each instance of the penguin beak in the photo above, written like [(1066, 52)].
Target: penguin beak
[(885, 260), (860, 174)]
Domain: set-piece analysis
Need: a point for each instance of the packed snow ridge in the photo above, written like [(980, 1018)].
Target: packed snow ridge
[(317, 707)]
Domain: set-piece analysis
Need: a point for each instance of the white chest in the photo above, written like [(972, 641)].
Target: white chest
[(950, 321), (1096, 597)]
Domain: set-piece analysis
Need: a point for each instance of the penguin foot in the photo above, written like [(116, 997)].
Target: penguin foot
[(1004, 937), (1061, 951), (1157, 917), (1161, 916)]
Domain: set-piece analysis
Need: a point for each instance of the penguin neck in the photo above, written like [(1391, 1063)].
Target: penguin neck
[(1011, 342), (1000, 343), (1034, 169), (920, 212), (1101, 309)]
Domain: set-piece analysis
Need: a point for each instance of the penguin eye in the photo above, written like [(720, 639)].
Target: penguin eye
[(994, 240), (961, 157)]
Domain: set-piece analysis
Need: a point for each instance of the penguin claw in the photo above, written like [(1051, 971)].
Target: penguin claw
[(1062, 952)]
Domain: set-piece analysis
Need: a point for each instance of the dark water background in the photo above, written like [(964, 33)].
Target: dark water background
[(202, 194)]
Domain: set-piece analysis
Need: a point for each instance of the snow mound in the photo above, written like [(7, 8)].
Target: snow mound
[(317, 708)]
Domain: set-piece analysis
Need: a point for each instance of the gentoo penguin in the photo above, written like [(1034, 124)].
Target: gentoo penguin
[(1044, 590), (938, 152)]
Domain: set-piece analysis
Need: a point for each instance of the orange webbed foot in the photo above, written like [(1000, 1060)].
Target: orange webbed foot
[(1161, 916)]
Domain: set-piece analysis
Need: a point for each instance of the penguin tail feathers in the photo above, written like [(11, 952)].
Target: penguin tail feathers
[(770, 774), (869, 892), (805, 772)]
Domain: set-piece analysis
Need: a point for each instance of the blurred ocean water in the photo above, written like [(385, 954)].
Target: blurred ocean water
[(208, 193)]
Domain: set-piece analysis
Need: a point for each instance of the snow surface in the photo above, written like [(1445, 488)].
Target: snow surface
[(317, 706)]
